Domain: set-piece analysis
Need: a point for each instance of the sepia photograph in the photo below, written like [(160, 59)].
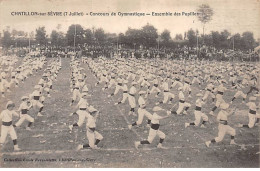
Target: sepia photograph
[(129, 83)]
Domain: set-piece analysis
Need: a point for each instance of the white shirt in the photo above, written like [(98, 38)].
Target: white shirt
[(181, 96), (251, 105), (199, 102), (82, 103), (125, 87), (141, 101), (155, 118), (155, 81), (165, 86), (222, 115), (221, 88), (23, 105), (91, 123), (7, 115), (36, 93), (132, 90)]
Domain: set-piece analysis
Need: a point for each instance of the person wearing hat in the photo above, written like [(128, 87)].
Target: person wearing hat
[(94, 137), (119, 86), (72, 83), (131, 98), (40, 89), (75, 94), (47, 86), (84, 89), (209, 92), (252, 115), (112, 81), (155, 88), (196, 78), (14, 79), (143, 81), (166, 92), (81, 81), (125, 93), (6, 117), (154, 129), (254, 84), (82, 111), (25, 106), (40, 86), (186, 86), (103, 78), (141, 111), (223, 127), (219, 96), (232, 78), (183, 105), (41, 81), (37, 100), (198, 115), (2, 88), (5, 85), (239, 92), (131, 75), (21, 74), (177, 81)]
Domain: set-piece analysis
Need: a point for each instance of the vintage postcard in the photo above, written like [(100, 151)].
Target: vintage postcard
[(129, 83)]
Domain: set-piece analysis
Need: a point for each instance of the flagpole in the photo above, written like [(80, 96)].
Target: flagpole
[(75, 40), (197, 45), (29, 44), (233, 43), (158, 39)]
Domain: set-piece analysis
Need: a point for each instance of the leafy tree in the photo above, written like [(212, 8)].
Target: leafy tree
[(75, 32), (133, 37), (248, 41), (6, 40), (121, 38), (216, 39), (149, 35), (57, 38), (17, 33), (100, 35), (54, 37), (88, 36), (166, 36), (205, 16), (224, 42), (191, 35), (40, 36), (14, 33), (208, 40), (237, 41), (178, 37)]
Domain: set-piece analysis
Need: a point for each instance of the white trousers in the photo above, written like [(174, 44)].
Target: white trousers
[(5, 130)]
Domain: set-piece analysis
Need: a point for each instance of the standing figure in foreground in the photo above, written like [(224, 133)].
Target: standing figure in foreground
[(223, 127), (253, 117), (93, 136), (7, 128), (25, 106), (154, 130)]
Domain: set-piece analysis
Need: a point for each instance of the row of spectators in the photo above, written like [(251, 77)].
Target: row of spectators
[(207, 53)]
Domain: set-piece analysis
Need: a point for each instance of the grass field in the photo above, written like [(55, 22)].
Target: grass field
[(50, 138)]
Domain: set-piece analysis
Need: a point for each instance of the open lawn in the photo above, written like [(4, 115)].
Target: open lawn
[(51, 139)]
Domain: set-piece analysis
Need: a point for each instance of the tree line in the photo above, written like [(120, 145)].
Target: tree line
[(145, 37)]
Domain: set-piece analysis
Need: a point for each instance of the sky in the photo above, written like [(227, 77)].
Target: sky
[(237, 16)]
